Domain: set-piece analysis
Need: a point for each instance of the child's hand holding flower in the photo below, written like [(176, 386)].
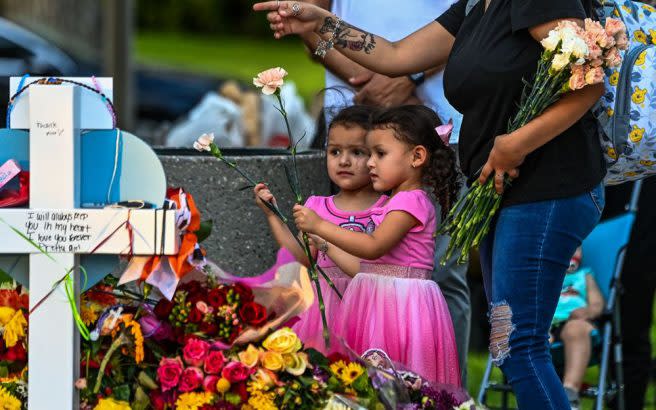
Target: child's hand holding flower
[(306, 219), (263, 195)]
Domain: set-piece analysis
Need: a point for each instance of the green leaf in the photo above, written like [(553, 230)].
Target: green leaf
[(146, 381), (122, 393), (317, 358), (141, 400), (205, 230)]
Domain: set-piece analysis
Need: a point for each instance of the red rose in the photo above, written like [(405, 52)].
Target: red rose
[(169, 372), (209, 328), (195, 316), (162, 401), (253, 313), (240, 389), (245, 293), (15, 353), (195, 351), (196, 297), (336, 357), (214, 362), (192, 378), (216, 298), (209, 384), (163, 309), (190, 287), (235, 372)]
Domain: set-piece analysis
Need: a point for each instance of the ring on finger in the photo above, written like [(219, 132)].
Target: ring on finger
[(277, 4), (296, 9)]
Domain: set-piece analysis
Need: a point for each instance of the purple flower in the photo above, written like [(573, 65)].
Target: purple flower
[(154, 328)]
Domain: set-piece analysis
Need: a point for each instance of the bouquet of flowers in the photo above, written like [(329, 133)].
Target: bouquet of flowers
[(573, 58)]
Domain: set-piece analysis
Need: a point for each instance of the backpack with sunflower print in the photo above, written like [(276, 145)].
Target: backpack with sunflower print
[(627, 111)]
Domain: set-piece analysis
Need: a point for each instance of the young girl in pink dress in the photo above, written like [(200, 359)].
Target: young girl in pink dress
[(350, 209), (393, 304)]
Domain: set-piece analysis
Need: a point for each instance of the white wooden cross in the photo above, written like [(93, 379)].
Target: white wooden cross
[(55, 114)]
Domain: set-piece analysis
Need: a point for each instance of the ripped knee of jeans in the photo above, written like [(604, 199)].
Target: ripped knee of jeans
[(501, 328)]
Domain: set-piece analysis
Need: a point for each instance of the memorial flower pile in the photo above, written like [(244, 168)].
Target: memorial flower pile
[(191, 353)]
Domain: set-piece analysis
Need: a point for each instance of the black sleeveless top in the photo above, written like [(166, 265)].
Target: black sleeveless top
[(493, 51)]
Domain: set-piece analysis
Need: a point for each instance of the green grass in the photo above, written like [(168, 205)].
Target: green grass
[(231, 57)]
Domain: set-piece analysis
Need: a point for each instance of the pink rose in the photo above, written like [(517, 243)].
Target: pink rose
[(169, 372), (594, 76), (191, 379), (202, 307), (235, 372), (81, 383), (214, 362), (577, 80), (270, 80), (614, 26), (195, 351), (209, 384), (613, 58)]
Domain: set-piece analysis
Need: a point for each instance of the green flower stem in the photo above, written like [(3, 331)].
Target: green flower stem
[(294, 182), (118, 342), (216, 152)]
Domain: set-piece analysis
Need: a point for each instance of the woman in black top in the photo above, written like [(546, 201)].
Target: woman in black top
[(488, 47)]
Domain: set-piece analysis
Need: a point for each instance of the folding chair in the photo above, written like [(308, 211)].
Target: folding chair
[(604, 250)]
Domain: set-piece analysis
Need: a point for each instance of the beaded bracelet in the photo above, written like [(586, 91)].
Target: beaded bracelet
[(324, 46), (57, 81)]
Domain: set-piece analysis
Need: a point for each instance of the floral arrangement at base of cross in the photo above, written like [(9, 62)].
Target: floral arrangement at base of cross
[(573, 58)]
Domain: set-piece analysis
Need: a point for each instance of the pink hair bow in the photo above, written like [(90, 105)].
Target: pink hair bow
[(444, 131)]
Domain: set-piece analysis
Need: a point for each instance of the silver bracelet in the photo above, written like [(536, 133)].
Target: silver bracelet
[(323, 46)]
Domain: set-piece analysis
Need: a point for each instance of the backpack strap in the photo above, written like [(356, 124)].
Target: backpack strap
[(470, 5)]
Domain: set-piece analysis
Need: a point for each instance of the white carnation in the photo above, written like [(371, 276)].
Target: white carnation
[(560, 61), (551, 41), (575, 46)]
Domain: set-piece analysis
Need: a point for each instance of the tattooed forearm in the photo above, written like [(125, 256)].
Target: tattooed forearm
[(348, 36)]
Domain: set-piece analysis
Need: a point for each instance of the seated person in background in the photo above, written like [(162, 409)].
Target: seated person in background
[(580, 303)]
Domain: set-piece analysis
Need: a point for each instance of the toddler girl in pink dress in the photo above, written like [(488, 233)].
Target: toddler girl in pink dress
[(392, 304), (350, 209)]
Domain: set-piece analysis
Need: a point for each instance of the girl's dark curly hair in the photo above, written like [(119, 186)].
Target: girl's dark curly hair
[(415, 125), (353, 116)]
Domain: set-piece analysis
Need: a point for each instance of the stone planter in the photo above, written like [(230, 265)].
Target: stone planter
[(241, 242)]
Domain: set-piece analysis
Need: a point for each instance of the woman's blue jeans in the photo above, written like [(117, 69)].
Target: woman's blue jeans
[(524, 258)]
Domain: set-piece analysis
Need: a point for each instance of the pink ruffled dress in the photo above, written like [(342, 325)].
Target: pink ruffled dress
[(309, 327), (393, 304)]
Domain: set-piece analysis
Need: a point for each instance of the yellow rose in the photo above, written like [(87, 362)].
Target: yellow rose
[(295, 363), (250, 356), (272, 361), (282, 341), (111, 404)]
